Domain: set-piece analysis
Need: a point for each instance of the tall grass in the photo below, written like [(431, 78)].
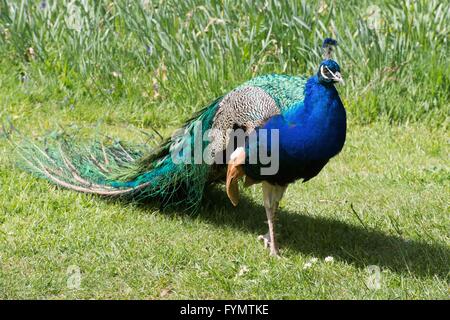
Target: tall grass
[(185, 53)]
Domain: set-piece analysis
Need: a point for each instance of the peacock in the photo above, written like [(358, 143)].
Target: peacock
[(273, 129)]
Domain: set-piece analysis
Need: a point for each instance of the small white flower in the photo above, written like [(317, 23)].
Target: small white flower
[(307, 265), (244, 269), (116, 74), (329, 259), (313, 260)]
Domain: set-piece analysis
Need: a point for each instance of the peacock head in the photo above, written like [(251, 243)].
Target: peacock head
[(329, 70)]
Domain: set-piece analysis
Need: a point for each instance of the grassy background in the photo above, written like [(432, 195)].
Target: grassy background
[(146, 65), (119, 53)]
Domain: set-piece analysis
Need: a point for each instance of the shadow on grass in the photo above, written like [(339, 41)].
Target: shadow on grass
[(321, 237)]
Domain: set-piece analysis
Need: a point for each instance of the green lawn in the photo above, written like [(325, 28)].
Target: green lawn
[(394, 178)]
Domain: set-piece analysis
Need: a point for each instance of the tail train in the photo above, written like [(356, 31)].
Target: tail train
[(123, 170)]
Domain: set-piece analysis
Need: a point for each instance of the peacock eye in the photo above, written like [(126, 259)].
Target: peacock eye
[(326, 73)]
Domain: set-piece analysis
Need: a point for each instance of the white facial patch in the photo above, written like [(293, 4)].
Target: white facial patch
[(322, 73), (331, 72), (334, 76)]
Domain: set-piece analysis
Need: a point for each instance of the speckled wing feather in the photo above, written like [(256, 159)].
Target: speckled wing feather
[(251, 104), (246, 108)]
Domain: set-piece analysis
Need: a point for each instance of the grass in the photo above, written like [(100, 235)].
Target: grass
[(382, 202), (114, 51)]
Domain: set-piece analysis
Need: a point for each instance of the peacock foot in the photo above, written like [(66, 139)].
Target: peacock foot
[(268, 245), (266, 240)]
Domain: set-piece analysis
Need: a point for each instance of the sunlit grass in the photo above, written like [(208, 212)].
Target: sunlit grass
[(383, 202)]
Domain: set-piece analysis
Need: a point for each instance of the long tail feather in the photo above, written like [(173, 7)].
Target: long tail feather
[(123, 170)]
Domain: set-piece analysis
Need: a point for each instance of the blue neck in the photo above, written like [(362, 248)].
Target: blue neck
[(315, 128), (320, 100)]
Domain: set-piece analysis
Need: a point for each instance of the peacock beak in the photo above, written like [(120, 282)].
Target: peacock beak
[(338, 78)]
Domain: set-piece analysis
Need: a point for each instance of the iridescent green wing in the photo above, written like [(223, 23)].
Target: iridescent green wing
[(285, 90)]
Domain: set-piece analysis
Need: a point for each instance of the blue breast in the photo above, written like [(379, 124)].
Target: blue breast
[(310, 133)]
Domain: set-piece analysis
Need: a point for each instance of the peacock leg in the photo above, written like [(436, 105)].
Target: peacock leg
[(272, 195)]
